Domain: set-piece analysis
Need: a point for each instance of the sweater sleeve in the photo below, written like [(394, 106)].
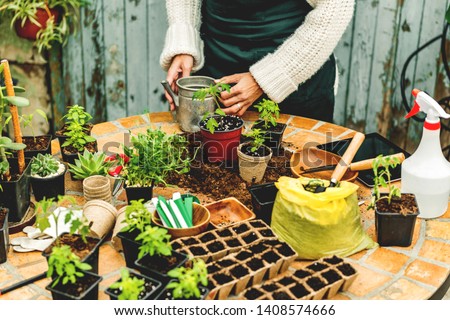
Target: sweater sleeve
[(304, 52), (183, 34)]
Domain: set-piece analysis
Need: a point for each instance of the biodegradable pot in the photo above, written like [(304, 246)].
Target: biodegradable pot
[(395, 229), (137, 193), (48, 187), (4, 235), (119, 225), (273, 136), (15, 195), (151, 288), (252, 169), (228, 211), (29, 30), (221, 145), (103, 216), (166, 294), (263, 198), (97, 188), (130, 247), (157, 267), (65, 292)]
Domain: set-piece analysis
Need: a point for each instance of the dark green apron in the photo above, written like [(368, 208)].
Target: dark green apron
[(238, 33)]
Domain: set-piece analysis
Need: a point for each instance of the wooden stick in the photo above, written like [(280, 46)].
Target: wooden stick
[(14, 114)]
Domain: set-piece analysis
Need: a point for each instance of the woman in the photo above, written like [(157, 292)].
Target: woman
[(281, 49)]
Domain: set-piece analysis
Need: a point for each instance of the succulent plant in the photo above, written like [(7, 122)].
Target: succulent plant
[(44, 165), (89, 164)]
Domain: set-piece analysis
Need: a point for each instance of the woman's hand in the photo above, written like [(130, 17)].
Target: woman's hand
[(242, 95), (181, 67)]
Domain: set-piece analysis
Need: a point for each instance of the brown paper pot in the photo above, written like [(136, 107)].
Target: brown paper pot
[(97, 188), (120, 224), (102, 214), (252, 169)]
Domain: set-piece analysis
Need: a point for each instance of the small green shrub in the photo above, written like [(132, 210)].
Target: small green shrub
[(188, 280)]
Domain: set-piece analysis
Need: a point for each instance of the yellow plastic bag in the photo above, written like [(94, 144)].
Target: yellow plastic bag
[(319, 224)]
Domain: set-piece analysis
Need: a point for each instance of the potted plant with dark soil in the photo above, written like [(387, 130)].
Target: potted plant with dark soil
[(77, 141), (187, 283), (263, 198), (77, 114), (89, 164), (47, 177), (221, 133), (152, 157), (71, 279), (35, 144), (395, 212), (4, 235), (269, 113), (254, 157), (133, 286)]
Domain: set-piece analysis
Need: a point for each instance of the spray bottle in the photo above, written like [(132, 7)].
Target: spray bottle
[(426, 173)]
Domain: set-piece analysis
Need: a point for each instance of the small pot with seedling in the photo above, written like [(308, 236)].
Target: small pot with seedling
[(47, 177), (77, 141), (269, 113), (35, 144), (76, 114), (4, 235), (133, 286), (221, 133), (254, 157), (395, 212)]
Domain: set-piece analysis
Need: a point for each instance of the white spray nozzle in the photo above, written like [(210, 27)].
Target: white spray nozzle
[(428, 105)]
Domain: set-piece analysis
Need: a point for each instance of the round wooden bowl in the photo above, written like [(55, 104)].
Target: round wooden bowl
[(311, 158), (200, 216)]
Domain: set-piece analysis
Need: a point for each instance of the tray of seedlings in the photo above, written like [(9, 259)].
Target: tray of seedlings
[(322, 279)]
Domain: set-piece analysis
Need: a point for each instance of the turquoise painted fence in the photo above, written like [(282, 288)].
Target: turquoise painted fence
[(112, 64)]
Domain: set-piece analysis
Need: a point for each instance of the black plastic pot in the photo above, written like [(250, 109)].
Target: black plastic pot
[(166, 294), (263, 198), (33, 153), (48, 187), (137, 193), (130, 247), (395, 229), (149, 296), (59, 293), (273, 135), (143, 266), (70, 157), (15, 195), (91, 258), (4, 238)]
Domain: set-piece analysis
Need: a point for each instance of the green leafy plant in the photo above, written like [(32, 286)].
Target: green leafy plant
[(130, 287), (153, 156), (188, 280), (382, 179), (66, 265), (155, 240), (77, 137), (211, 121), (27, 120), (7, 144), (269, 112), (89, 164), (137, 217), (77, 114), (257, 139), (44, 165)]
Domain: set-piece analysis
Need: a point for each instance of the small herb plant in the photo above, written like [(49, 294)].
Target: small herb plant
[(137, 217), (257, 139), (382, 179), (77, 137), (188, 280), (155, 240), (27, 120), (269, 112), (44, 165), (89, 164), (130, 287), (77, 114), (66, 265), (211, 121)]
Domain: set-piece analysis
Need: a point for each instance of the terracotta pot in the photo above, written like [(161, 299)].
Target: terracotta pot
[(29, 30), (97, 188), (102, 214), (252, 169)]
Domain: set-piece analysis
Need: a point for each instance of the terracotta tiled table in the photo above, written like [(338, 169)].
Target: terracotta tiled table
[(415, 272)]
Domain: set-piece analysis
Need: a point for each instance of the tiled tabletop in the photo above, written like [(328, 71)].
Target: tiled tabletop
[(414, 272)]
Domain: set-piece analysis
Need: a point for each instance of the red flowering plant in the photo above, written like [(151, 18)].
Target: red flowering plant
[(116, 163)]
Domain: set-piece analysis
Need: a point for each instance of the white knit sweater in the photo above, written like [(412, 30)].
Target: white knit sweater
[(281, 72)]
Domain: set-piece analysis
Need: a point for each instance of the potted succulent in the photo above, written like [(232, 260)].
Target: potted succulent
[(77, 141), (77, 114), (269, 113), (253, 157), (4, 235), (89, 164), (133, 286), (44, 22), (47, 177), (395, 212), (152, 157), (187, 283), (71, 279), (221, 133)]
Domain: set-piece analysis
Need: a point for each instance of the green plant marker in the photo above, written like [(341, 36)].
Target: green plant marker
[(177, 198), (178, 214), (162, 215), (188, 204), (169, 213)]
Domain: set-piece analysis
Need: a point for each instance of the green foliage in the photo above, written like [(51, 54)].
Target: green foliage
[(269, 112), (77, 114), (153, 156), (90, 164), (214, 92), (45, 212), (257, 138), (66, 265), (137, 217), (77, 137), (27, 120), (211, 121), (130, 287), (188, 280), (7, 144), (447, 15), (382, 179), (44, 165), (155, 240)]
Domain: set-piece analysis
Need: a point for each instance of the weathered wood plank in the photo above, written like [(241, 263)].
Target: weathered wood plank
[(114, 55), (57, 86)]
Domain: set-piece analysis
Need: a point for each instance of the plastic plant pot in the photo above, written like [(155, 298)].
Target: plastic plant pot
[(166, 294), (130, 247), (137, 193), (4, 236), (146, 263), (273, 135), (91, 293), (263, 198), (48, 187), (154, 287)]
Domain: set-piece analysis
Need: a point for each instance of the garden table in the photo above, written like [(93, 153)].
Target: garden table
[(420, 271)]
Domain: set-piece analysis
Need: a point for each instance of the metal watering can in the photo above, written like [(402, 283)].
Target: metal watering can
[(190, 112)]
